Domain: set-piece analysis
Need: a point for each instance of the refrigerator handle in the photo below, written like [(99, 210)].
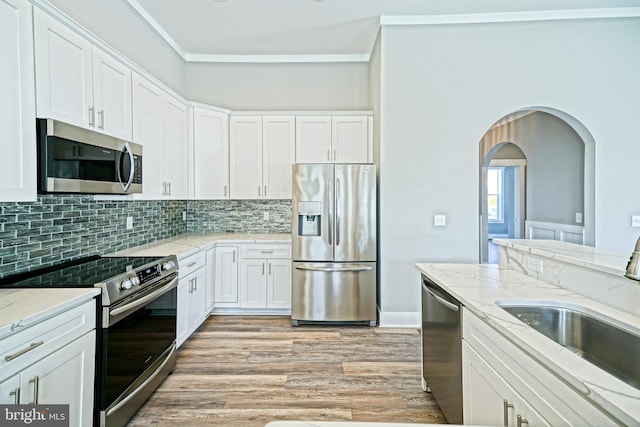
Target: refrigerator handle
[(334, 269), (330, 198), (337, 212)]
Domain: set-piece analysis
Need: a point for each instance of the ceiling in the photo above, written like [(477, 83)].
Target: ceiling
[(313, 30)]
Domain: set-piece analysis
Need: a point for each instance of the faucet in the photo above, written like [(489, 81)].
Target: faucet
[(633, 267)]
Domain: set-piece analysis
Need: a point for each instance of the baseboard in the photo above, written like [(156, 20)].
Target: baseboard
[(399, 319)]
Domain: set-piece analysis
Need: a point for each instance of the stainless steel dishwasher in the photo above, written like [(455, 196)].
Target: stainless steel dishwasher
[(442, 349)]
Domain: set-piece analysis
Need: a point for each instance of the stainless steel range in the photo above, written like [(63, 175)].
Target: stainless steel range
[(136, 318)]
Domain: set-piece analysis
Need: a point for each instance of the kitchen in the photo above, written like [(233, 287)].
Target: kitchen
[(414, 99)]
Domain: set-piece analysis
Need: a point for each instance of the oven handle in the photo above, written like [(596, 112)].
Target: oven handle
[(145, 299), (147, 381)]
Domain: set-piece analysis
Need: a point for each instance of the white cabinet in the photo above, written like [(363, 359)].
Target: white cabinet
[(495, 370), (78, 83), (52, 362), (211, 154), (161, 126), (334, 139), (262, 150), (191, 305), (265, 276), (17, 103), (225, 277)]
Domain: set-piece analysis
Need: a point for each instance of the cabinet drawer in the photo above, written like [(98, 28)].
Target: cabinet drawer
[(266, 251), (44, 337), (192, 263)]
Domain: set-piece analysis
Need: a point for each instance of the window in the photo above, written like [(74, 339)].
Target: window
[(495, 194)]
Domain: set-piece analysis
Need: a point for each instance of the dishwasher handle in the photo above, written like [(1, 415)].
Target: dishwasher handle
[(441, 300)]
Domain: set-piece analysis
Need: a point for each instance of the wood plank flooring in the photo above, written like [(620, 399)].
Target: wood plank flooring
[(247, 371)]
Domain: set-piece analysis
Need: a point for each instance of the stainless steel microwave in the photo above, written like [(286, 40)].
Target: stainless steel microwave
[(76, 160)]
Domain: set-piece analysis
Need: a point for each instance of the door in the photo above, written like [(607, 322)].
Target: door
[(245, 147), (174, 147), (211, 160), (279, 283), (226, 275), (349, 136), (312, 212), (355, 213), (112, 95), (253, 282), (313, 139), (278, 154), (10, 390)]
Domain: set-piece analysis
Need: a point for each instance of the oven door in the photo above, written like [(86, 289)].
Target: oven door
[(137, 351)]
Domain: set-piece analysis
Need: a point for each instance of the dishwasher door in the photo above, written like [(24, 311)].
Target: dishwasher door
[(442, 349)]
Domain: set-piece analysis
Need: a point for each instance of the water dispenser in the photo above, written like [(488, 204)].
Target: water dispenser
[(309, 218)]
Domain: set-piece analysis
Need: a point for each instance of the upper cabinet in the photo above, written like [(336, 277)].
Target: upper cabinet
[(334, 139), (161, 126), (211, 154), (262, 150), (78, 83), (17, 103)]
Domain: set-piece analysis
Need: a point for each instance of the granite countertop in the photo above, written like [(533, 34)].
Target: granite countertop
[(23, 307), (185, 245), (479, 286)]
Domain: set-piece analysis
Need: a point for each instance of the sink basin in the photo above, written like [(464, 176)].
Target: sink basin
[(609, 347)]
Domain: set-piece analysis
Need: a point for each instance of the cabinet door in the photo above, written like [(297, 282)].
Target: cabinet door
[(175, 164), (349, 136), (17, 103), (209, 280), (147, 116), (64, 79), (253, 283), (279, 283), (112, 95), (182, 309), (197, 300), (226, 275), (278, 154), (487, 397), (245, 147), (10, 390), (313, 139), (64, 377), (211, 154)]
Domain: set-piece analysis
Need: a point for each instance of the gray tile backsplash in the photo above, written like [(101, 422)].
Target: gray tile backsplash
[(65, 227)]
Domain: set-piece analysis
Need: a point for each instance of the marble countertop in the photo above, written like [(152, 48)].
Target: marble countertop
[(24, 307), (344, 424), (185, 245), (479, 286), (583, 256)]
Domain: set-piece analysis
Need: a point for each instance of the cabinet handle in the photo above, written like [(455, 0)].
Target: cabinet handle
[(234, 256), (192, 263), (169, 184), (225, 190), (259, 191), (269, 269), (335, 155), (101, 119), (16, 395), (263, 268), (266, 252), (328, 154), (521, 420), (36, 384), (505, 406), (23, 351), (92, 117), (265, 191), (195, 284)]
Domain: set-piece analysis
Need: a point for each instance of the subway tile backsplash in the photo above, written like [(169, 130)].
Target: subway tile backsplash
[(66, 227)]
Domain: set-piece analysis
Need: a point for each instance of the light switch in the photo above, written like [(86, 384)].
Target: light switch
[(578, 218), (265, 215), (439, 220), (635, 220), (129, 222)]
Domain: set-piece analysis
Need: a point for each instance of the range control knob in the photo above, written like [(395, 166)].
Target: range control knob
[(135, 281), (126, 284), (168, 265)]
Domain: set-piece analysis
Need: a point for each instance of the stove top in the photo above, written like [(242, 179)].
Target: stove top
[(80, 273)]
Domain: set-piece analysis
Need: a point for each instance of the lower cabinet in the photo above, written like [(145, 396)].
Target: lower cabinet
[(191, 305), (502, 385), (265, 283), (59, 366), (225, 277)]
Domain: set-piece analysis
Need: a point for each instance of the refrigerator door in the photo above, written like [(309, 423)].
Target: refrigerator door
[(337, 292), (312, 211), (355, 213)]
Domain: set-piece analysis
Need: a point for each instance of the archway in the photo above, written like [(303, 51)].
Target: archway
[(562, 170)]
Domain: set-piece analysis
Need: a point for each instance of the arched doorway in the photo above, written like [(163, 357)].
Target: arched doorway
[(555, 154)]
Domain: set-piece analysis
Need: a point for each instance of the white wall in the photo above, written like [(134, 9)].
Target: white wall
[(443, 87), (116, 23), (305, 86)]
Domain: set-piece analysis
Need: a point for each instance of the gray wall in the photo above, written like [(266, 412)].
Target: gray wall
[(555, 165), (444, 86), (311, 86)]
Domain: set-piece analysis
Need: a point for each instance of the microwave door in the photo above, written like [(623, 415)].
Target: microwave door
[(126, 167)]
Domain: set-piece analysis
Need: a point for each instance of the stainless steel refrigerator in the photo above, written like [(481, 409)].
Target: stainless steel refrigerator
[(333, 243)]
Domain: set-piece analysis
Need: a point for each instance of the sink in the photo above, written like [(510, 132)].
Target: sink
[(601, 343)]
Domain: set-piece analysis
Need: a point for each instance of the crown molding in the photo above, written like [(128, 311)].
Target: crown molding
[(157, 27), (524, 16), (194, 57)]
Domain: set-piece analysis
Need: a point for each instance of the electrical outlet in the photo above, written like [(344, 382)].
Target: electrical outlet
[(184, 215), (635, 220), (129, 223), (535, 264), (578, 218), (265, 215), (439, 220)]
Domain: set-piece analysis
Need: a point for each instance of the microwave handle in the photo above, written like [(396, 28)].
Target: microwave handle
[(127, 150)]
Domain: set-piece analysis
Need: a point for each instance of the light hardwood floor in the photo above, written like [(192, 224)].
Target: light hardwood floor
[(246, 371)]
